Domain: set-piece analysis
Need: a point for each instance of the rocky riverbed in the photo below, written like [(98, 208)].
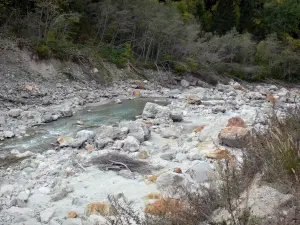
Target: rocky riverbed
[(173, 145)]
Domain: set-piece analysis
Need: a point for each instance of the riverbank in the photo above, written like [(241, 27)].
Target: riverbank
[(44, 188)]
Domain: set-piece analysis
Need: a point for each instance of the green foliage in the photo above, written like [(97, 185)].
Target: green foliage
[(118, 56), (43, 51)]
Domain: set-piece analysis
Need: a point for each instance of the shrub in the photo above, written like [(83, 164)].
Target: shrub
[(43, 51)]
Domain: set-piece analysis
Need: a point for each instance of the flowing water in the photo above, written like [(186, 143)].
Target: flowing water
[(41, 137)]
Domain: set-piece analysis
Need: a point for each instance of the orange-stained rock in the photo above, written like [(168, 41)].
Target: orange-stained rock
[(199, 129), (153, 178), (153, 196), (271, 99), (89, 147), (100, 208), (219, 154), (72, 214), (143, 155), (237, 137), (63, 139), (177, 170), (164, 206), (148, 123), (194, 100), (136, 93), (139, 84), (236, 122), (30, 88)]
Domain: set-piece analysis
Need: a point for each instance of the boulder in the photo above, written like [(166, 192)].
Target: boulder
[(115, 133), (85, 135), (136, 129), (103, 142), (14, 113), (131, 144), (169, 132), (22, 198), (236, 122), (237, 137), (184, 83), (199, 171), (169, 179), (8, 134), (6, 190), (47, 215), (176, 116), (2, 120), (66, 111), (152, 110)]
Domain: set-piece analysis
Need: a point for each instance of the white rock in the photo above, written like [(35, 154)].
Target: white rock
[(50, 152), (8, 134), (118, 101), (75, 221), (53, 222), (131, 144), (199, 171), (184, 83), (85, 134), (44, 190), (6, 189), (169, 179), (167, 156), (97, 220), (14, 112), (21, 211), (47, 215), (22, 198), (25, 154), (169, 132)]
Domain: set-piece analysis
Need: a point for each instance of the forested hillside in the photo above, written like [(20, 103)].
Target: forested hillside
[(248, 39)]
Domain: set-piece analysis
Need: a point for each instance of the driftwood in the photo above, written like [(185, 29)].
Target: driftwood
[(117, 162)]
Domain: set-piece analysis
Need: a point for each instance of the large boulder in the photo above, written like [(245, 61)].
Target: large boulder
[(169, 180), (131, 144), (199, 171), (136, 129), (115, 133), (14, 112), (237, 137), (153, 110)]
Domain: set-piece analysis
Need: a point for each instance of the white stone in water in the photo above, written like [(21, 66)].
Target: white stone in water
[(118, 101)]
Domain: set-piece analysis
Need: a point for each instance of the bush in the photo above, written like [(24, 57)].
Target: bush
[(275, 153), (43, 51)]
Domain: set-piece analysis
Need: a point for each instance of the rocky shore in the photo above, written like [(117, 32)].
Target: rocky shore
[(169, 146)]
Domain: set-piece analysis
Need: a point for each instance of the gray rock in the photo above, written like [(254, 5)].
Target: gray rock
[(199, 171), (6, 189), (180, 157), (75, 221), (169, 156), (14, 113), (55, 117), (47, 215), (8, 134), (2, 120), (169, 179), (126, 174), (96, 220), (61, 194), (131, 144), (22, 198), (47, 117), (66, 111), (152, 110), (184, 83), (103, 142), (176, 116), (137, 129), (218, 109), (169, 132), (115, 133), (85, 135), (54, 222)]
